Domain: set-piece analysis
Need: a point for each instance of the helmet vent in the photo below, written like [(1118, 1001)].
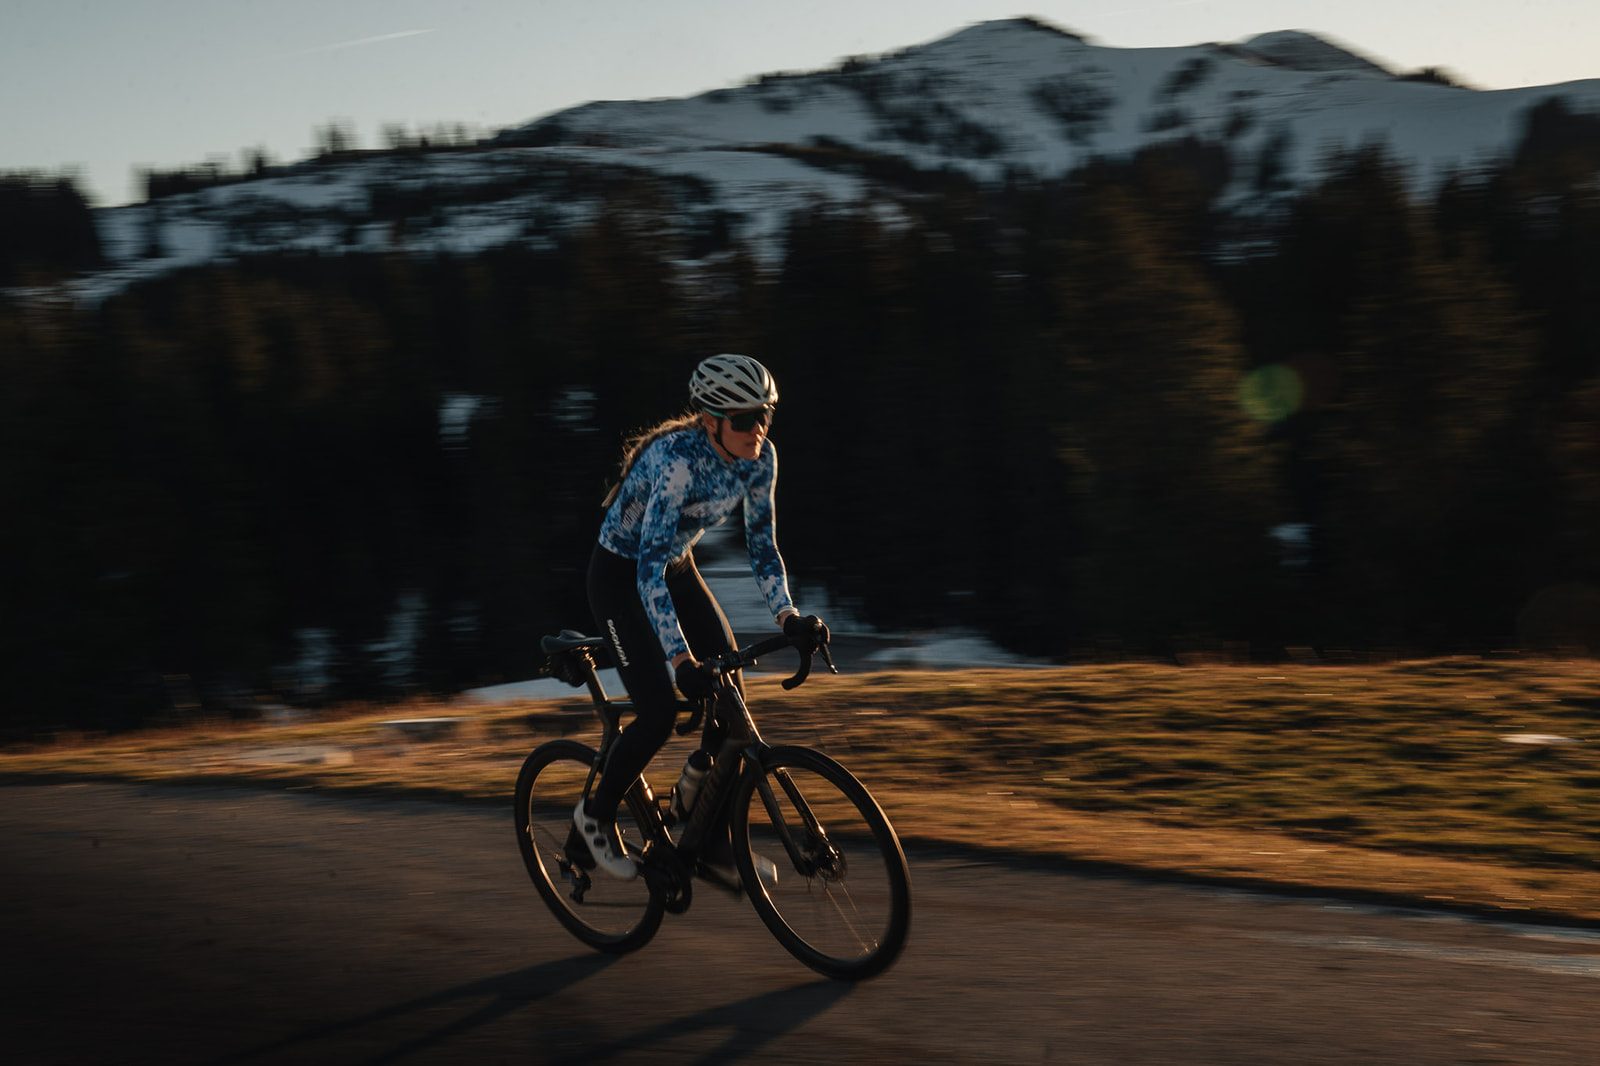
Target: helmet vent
[(731, 382)]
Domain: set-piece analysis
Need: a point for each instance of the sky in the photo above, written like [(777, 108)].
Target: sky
[(104, 87)]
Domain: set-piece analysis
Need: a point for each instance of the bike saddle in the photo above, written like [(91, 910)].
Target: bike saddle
[(567, 640)]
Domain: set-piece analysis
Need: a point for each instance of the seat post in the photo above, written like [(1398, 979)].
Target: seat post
[(591, 677)]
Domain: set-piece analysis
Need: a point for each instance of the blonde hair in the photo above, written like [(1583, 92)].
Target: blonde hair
[(632, 446)]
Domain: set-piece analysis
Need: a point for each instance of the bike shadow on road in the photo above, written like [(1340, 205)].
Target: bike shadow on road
[(755, 1021), (506, 993)]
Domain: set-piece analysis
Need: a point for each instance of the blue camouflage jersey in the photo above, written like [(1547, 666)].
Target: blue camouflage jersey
[(678, 487)]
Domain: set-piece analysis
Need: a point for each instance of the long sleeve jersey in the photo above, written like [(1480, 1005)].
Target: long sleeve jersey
[(677, 488)]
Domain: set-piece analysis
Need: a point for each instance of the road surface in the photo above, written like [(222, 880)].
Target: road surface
[(188, 925)]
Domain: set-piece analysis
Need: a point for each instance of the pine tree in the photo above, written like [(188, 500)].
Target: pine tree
[(1174, 485), (46, 229), (1424, 452)]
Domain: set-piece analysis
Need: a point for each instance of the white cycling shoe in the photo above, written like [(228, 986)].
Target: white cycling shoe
[(605, 844)]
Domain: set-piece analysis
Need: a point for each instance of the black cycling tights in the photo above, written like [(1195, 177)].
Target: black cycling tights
[(646, 674)]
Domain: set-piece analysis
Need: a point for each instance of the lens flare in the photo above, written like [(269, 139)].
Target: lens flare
[(1272, 393)]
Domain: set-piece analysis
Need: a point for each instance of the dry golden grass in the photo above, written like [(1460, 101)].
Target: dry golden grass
[(1391, 778)]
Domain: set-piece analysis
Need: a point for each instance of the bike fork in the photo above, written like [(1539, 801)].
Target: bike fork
[(803, 863)]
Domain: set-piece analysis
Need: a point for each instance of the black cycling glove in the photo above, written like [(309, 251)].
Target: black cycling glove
[(694, 680), (808, 632)]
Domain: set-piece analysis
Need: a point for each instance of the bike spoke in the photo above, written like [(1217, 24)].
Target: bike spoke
[(603, 911), (864, 941)]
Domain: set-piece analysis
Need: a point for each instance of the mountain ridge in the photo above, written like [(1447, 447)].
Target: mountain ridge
[(1304, 50), (993, 101)]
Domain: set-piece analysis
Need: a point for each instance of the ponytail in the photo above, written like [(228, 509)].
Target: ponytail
[(632, 446)]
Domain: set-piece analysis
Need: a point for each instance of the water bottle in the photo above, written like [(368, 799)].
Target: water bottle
[(688, 786)]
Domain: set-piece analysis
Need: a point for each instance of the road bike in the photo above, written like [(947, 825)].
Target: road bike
[(813, 851)]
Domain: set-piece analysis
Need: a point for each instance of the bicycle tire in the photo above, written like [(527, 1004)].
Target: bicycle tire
[(608, 914), (848, 925)]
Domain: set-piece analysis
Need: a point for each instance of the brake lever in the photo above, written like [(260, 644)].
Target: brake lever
[(702, 705), (694, 720), (800, 675), (805, 666)]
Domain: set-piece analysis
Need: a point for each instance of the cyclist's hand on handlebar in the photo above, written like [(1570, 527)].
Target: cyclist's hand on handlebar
[(807, 632), (694, 680)]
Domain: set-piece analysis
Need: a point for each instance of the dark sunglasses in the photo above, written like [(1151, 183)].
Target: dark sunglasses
[(745, 421)]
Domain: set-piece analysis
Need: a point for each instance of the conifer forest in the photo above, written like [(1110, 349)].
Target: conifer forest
[(1094, 417)]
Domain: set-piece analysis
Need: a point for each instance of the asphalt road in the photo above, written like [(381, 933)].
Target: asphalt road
[(178, 925)]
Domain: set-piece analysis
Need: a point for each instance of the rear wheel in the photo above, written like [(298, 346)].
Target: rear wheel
[(821, 864), (602, 911)]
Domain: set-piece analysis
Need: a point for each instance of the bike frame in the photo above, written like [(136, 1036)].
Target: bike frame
[(749, 751), (742, 752)]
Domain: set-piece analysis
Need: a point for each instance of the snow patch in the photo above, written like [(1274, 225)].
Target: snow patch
[(544, 688)]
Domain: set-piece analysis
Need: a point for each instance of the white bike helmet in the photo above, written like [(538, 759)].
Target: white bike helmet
[(731, 383)]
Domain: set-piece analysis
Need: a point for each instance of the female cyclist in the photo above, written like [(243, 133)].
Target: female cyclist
[(679, 479)]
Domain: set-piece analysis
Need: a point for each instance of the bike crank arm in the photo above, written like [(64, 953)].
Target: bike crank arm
[(664, 871)]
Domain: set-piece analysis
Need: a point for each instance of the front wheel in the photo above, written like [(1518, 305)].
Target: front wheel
[(822, 864), (602, 911)]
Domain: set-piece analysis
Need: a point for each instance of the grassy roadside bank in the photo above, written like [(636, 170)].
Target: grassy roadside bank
[(1394, 779)]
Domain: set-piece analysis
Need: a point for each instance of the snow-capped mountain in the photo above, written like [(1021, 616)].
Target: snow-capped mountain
[(997, 98)]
